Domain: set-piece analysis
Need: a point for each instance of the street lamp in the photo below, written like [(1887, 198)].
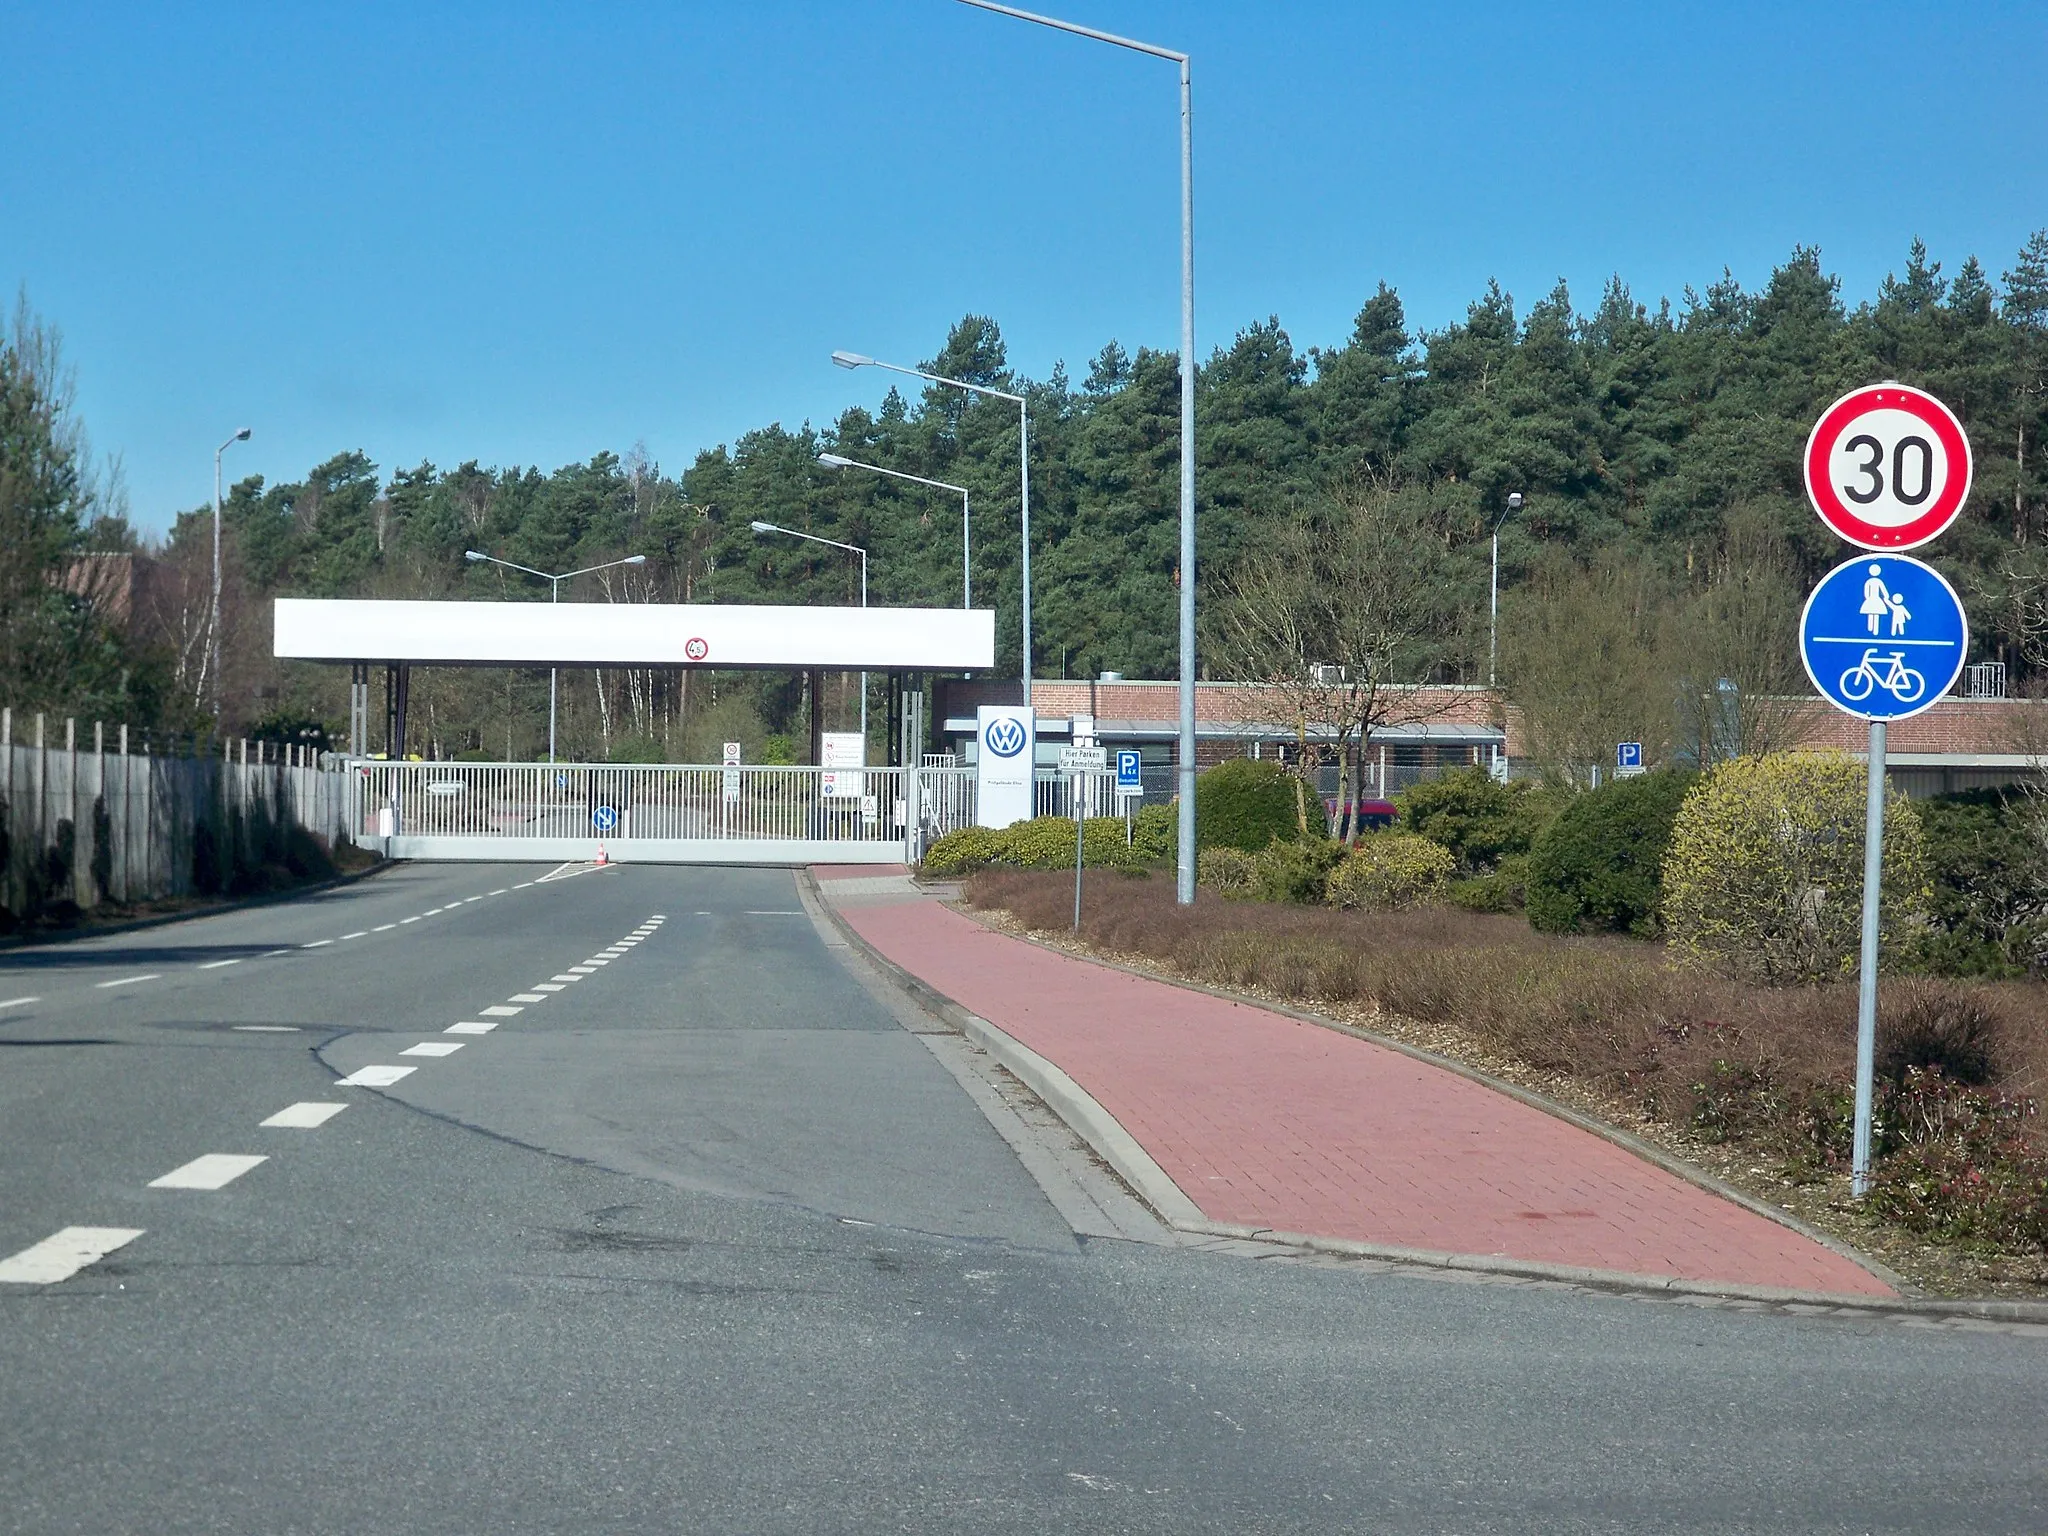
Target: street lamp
[(861, 360), (1186, 883), (840, 461), (760, 527), (213, 611), (1493, 594), (554, 596)]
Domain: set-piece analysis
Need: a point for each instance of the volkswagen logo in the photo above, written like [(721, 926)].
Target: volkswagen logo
[(1004, 737)]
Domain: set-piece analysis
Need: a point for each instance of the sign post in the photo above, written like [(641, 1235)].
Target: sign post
[(1130, 784), (1075, 762), (1887, 468)]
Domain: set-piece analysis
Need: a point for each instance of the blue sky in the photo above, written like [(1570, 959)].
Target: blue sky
[(522, 234)]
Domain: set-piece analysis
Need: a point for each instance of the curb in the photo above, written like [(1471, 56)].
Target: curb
[(239, 904), (1116, 1146), (1613, 1134)]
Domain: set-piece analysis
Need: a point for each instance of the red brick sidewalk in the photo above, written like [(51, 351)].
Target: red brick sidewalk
[(1267, 1122)]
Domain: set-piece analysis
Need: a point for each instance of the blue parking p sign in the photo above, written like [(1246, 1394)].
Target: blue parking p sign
[(1129, 777), (1628, 754)]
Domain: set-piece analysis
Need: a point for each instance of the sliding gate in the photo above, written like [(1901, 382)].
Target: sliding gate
[(663, 813)]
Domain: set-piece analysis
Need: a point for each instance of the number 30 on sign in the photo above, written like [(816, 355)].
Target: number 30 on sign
[(1888, 467)]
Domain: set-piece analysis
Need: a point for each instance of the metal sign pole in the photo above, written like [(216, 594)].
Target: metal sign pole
[(1866, 989), (1080, 822)]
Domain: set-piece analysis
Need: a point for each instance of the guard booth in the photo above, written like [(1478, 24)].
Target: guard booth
[(671, 813)]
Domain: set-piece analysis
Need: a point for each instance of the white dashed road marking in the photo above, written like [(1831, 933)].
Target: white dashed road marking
[(500, 1011), (212, 1171), (304, 1116), (527, 997), (383, 927), (433, 1048), (129, 981), (356, 935), (548, 986), (469, 1027), (499, 892), (214, 965), (775, 913), (23, 1002), (63, 1254), (376, 1077), (565, 976), (317, 944), (408, 919), (266, 1029), (581, 971)]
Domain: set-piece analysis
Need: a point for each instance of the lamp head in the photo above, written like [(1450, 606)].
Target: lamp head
[(852, 360), (834, 461), (761, 527), (474, 555), (635, 560), (1514, 501), (242, 436)]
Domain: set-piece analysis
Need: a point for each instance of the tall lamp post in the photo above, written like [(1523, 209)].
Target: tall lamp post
[(213, 609), (760, 528), (840, 461), (860, 360), (1493, 593), (1186, 882), (475, 556)]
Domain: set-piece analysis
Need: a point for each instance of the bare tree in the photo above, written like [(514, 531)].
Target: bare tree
[(1742, 689), (1330, 610), (1586, 662)]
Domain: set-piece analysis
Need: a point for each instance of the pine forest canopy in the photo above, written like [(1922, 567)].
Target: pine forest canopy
[(1639, 436)]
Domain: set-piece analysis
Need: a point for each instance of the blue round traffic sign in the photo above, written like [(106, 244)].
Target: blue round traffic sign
[(604, 818), (1884, 636)]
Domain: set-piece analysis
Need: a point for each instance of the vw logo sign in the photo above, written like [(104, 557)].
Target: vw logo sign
[(1004, 737), (695, 648)]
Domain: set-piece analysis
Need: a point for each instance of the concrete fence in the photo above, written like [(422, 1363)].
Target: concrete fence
[(90, 816)]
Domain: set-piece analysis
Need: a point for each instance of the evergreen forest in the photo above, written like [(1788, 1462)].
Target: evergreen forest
[(1654, 443)]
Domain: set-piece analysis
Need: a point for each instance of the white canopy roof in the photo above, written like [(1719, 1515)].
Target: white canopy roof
[(635, 634)]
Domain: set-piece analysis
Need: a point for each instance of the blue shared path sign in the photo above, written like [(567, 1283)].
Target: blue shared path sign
[(1883, 636)]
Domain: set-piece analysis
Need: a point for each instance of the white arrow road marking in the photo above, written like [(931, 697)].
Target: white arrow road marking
[(376, 1077), (211, 1171), (63, 1254), (304, 1116)]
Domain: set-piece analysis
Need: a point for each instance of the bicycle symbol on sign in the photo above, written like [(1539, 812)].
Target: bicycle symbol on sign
[(1893, 676)]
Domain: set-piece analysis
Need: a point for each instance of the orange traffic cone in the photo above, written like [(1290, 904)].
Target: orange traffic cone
[(600, 855)]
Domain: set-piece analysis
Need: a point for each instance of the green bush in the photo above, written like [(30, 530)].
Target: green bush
[(1990, 868), (1227, 871), (1764, 875), (1297, 871), (1478, 818), (1155, 834), (1600, 864), (963, 850), (1046, 842), (1387, 871), (1961, 1164), (1506, 889), (1247, 804)]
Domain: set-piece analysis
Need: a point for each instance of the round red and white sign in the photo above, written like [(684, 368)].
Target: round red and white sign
[(695, 648), (1888, 467)]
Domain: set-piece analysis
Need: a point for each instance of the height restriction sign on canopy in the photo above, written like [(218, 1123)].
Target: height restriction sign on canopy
[(1888, 467)]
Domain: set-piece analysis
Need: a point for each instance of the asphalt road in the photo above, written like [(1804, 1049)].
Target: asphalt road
[(707, 1240)]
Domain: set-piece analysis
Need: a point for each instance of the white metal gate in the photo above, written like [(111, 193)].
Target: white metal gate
[(663, 813)]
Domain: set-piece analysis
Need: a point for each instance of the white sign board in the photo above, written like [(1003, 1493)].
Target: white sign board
[(842, 750), (1007, 750), (1082, 730), (732, 754), (1083, 759)]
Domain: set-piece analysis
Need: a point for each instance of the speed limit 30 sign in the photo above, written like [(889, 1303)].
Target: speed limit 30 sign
[(1888, 467)]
